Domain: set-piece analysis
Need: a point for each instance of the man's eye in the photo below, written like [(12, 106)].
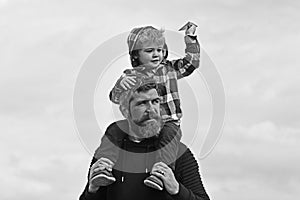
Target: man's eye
[(156, 101), (141, 103)]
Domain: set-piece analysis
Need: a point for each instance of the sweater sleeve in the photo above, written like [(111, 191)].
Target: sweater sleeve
[(191, 61), (188, 176), (99, 195)]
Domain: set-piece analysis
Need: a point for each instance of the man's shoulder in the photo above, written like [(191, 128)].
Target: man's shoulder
[(184, 153), (182, 148), (186, 161), (118, 125)]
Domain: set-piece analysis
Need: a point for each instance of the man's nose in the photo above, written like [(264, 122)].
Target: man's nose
[(150, 107)]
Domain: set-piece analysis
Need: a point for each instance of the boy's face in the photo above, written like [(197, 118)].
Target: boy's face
[(151, 54)]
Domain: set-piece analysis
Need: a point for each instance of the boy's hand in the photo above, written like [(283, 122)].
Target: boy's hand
[(127, 82), (190, 28)]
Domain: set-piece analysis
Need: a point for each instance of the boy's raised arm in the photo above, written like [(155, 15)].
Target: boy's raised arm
[(185, 66)]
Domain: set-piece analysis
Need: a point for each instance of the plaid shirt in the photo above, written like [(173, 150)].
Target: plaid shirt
[(166, 75)]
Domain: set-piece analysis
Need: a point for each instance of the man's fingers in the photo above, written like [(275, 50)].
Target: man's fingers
[(99, 168), (160, 171), (159, 175), (161, 164), (105, 162)]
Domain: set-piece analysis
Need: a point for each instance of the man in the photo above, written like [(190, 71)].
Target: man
[(141, 108)]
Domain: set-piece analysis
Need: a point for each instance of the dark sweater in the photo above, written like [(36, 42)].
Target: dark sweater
[(129, 185)]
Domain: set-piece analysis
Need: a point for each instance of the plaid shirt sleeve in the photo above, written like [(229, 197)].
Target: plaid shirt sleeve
[(191, 61), (115, 93), (141, 77), (117, 90)]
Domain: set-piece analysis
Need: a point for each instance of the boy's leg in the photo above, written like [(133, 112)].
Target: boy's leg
[(168, 144), (112, 141), (108, 149)]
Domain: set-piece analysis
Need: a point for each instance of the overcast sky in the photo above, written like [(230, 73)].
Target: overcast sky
[(254, 45)]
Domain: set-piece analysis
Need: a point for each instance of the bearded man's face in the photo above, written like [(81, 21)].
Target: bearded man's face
[(144, 114)]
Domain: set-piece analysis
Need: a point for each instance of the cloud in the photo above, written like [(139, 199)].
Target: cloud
[(261, 157), (40, 177), (256, 56), (42, 157), (3, 2)]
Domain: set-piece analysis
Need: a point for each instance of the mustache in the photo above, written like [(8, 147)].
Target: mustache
[(148, 116)]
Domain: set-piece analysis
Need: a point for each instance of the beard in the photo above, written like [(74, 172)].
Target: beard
[(149, 125), (152, 128)]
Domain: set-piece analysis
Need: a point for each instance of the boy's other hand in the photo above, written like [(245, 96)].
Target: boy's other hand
[(127, 82)]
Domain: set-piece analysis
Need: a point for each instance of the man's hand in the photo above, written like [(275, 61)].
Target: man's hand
[(101, 164), (127, 82), (165, 173)]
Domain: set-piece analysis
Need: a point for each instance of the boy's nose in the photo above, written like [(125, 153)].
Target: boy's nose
[(155, 53)]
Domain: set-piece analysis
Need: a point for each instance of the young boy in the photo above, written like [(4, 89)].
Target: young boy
[(148, 54)]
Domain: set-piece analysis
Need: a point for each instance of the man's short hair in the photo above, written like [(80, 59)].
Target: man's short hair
[(127, 96)]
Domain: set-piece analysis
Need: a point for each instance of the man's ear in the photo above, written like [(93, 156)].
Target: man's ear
[(124, 111)]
